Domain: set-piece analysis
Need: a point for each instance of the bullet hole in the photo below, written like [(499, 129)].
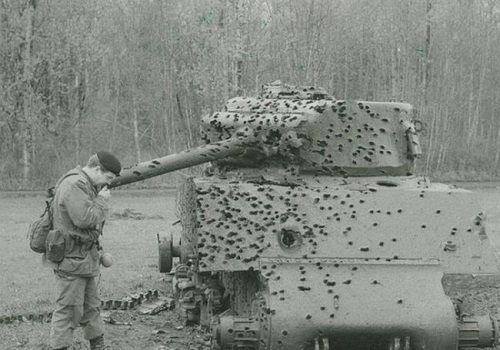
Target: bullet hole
[(375, 224), (354, 268), (423, 226), (303, 288), (381, 244), (289, 238), (364, 249), (394, 240), (322, 308), (400, 211), (347, 282), (332, 315), (285, 333), (400, 301)]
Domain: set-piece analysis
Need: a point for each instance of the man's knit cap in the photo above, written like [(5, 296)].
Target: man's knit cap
[(109, 162)]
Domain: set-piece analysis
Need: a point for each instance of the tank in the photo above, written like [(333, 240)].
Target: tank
[(310, 231)]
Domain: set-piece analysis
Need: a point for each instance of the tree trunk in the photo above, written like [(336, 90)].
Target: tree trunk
[(115, 116), (77, 113), (184, 120), (427, 53), (27, 94), (394, 72), (135, 124)]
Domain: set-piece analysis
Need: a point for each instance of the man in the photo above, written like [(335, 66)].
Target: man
[(80, 208)]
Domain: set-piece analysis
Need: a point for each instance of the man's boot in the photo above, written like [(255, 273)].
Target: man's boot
[(97, 343)]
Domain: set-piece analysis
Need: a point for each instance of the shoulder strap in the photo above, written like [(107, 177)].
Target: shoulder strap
[(52, 190)]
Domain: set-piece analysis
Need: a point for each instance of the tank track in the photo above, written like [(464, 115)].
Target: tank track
[(126, 303)]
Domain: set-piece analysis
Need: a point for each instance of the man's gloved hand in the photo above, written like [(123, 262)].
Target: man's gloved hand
[(104, 192)]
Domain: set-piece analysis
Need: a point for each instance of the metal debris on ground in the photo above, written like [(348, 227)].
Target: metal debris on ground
[(42, 317), (129, 302), (126, 303), (108, 318), (152, 307)]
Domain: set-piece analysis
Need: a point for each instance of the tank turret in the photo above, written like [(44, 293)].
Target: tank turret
[(301, 131), (312, 131), (310, 230)]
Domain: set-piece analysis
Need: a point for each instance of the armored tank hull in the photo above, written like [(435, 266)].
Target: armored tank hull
[(352, 263), (310, 230)]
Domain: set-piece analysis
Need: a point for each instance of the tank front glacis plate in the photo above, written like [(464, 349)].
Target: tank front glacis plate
[(357, 304), (239, 223)]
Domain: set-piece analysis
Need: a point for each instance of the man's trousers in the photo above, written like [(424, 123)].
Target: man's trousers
[(77, 304)]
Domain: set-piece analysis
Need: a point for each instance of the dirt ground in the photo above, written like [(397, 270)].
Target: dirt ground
[(138, 217), (164, 331)]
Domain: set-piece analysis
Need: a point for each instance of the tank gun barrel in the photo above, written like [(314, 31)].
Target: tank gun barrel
[(184, 159)]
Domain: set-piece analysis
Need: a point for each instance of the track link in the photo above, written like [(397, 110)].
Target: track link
[(126, 303)]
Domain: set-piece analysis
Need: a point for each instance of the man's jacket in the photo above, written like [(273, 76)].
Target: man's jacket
[(79, 213)]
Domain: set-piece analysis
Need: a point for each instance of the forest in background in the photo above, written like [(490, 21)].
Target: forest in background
[(135, 76)]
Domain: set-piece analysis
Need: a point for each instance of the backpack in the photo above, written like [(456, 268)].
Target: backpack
[(41, 234), (40, 228)]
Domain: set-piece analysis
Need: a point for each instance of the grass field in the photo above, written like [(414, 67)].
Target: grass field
[(130, 236)]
